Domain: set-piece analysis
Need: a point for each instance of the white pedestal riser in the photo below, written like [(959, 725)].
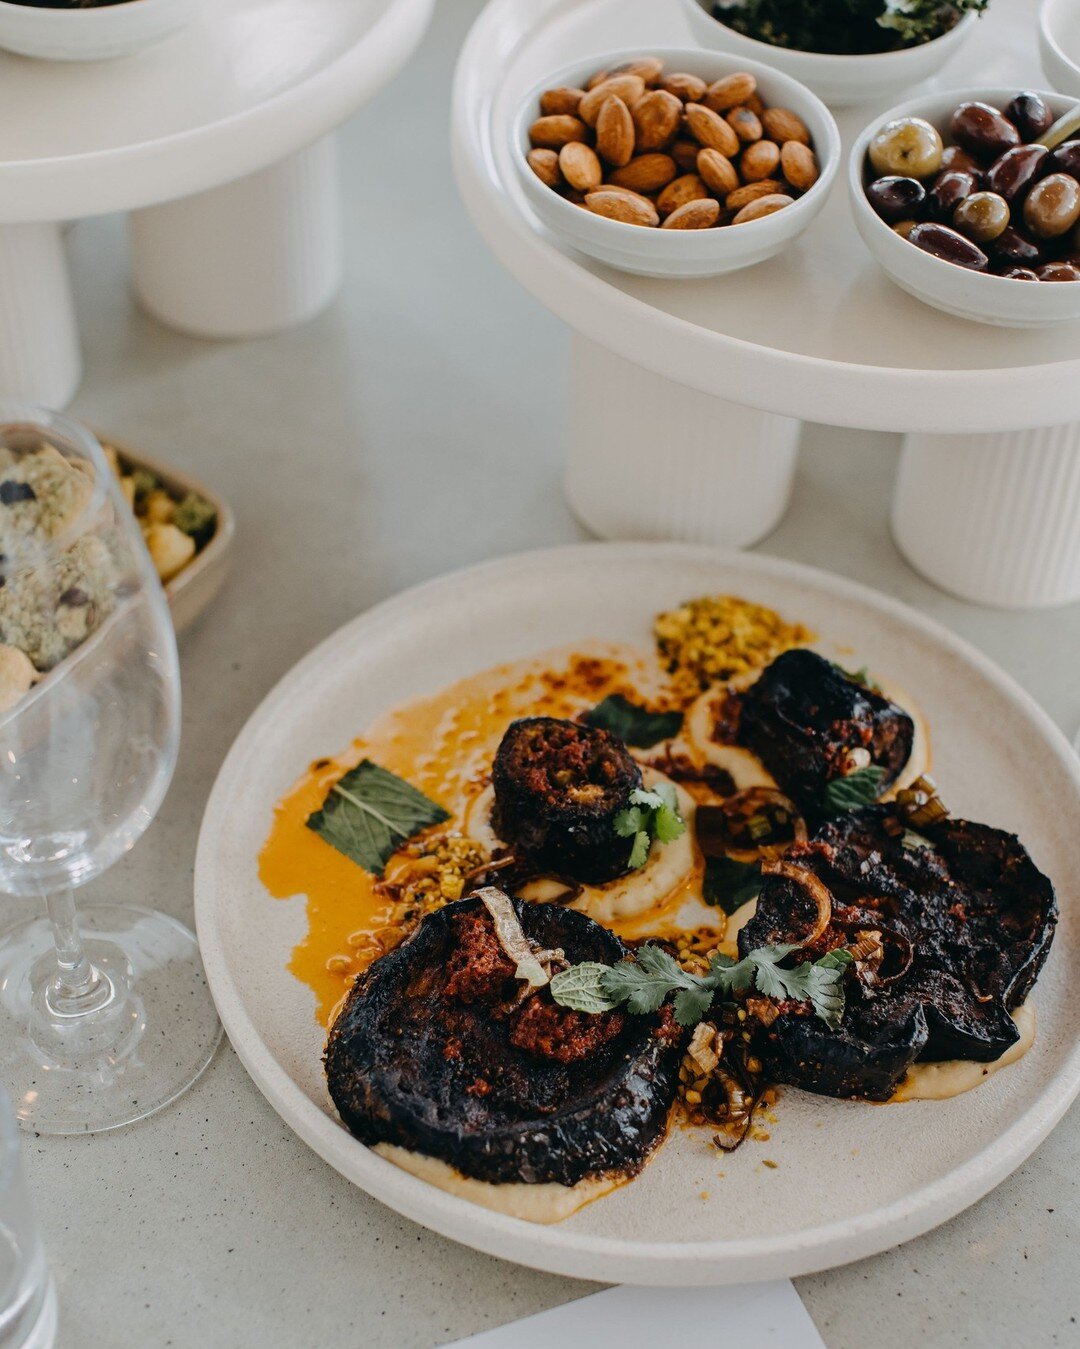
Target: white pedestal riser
[(250, 258), (39, 342), (648, 458), (993, 518)]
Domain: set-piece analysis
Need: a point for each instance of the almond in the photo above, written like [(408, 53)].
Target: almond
[(564, 100), (687, 88), (646, 173), (622, 206), (627, 87), (545, 164), (615, 132), (580, 166), (743, 196), (657, 117), (781, 125), (755, 103), (799, 164), (710, 130), (730, 91), (718, 172), (764, 206), (678, 192), (760, 160), (552, 133), (694, 215), (745, 125), (685, 152), (649, 68)]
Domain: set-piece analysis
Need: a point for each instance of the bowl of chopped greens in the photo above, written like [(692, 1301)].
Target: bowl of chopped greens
[(846, 51)]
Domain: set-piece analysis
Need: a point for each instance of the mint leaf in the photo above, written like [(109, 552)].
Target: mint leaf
[(650, 815), (581, 988), (370, 812), (729, 884), (860, 788), (633, 725)]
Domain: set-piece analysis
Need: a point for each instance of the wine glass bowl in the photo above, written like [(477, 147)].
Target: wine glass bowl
[(87, 749)]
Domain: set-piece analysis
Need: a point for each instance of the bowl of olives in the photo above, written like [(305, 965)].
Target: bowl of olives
[(971, 202)]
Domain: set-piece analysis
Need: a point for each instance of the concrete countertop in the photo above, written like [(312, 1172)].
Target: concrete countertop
[(414, 428)]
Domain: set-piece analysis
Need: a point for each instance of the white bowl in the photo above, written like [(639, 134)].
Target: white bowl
[(1059, 44), (92, 34), (956, 290), (681, 253), (840, 80)]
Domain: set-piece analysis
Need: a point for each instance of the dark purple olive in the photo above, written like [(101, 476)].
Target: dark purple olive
[(1065, 159), (1030, 115), (982, 130), (1019, 274), (1016, 249), (948, 192), (954, 158), (949, 246), (1059, 271), (1012, 173), (896, 198)]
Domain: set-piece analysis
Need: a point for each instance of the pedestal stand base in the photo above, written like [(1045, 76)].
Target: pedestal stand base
[(39, 343), (993, 518), (648, 458), (250, 258)]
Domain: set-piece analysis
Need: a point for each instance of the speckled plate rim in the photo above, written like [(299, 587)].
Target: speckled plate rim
[(559, 1249)]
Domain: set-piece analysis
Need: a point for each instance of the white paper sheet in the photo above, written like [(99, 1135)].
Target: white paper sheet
[(768, 1314)]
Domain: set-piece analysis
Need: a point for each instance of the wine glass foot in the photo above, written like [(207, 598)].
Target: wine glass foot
[(141, 1050)]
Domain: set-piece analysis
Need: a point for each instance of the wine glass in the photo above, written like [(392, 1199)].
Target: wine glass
[(99, 1032)]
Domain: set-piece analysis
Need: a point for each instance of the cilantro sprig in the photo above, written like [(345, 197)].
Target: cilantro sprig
[(650, 815), (645, 982)]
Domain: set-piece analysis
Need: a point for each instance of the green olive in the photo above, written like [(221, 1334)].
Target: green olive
[(983, 216), (908, 146), (1053, 206)]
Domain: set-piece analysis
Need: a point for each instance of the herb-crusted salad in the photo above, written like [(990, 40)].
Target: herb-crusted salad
[(845, 27), (589, 886)]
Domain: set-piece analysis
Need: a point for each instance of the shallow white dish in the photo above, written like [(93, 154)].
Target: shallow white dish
[(1059, 44), (865, 1180), (840, 80), (681, 253), (956, 290), (92, 34)]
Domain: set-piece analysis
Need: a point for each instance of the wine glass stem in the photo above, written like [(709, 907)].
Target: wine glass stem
[(78, 987)]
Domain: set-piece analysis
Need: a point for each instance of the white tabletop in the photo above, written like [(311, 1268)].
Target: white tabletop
[(819, 332), (245, 84), (414, 428)]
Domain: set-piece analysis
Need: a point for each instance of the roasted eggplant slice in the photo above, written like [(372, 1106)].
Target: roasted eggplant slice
[(434, 1051), (949, 939), (809, 723), (558, 787)]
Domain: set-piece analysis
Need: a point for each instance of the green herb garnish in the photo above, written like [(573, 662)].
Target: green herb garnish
[(644, 983), (633, 725), (370, 812), (196, 517), (861, 676), (849, 793), (844, 27), (650, 815), (729, 884)]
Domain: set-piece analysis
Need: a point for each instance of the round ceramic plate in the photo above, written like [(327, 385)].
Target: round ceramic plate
[(849, 1179)]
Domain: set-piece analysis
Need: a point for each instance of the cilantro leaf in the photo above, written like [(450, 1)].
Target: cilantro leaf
[(581, 988), (370, 812), (729, 884), (857, 789), (633, 725), (692, 1004), (650, 815)]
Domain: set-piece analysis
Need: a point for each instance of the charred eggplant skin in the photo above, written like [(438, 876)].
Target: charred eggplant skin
[(558, 787), (405, 1064), (802, 718), (977, 915)]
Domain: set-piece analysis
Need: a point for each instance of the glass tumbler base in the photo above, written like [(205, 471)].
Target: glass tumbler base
[(84, 1074)]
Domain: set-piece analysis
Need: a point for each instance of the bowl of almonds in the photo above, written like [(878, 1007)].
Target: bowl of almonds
[(675, 163)]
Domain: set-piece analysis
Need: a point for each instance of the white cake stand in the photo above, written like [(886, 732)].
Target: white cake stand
[(218, 140), (687, 395)]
